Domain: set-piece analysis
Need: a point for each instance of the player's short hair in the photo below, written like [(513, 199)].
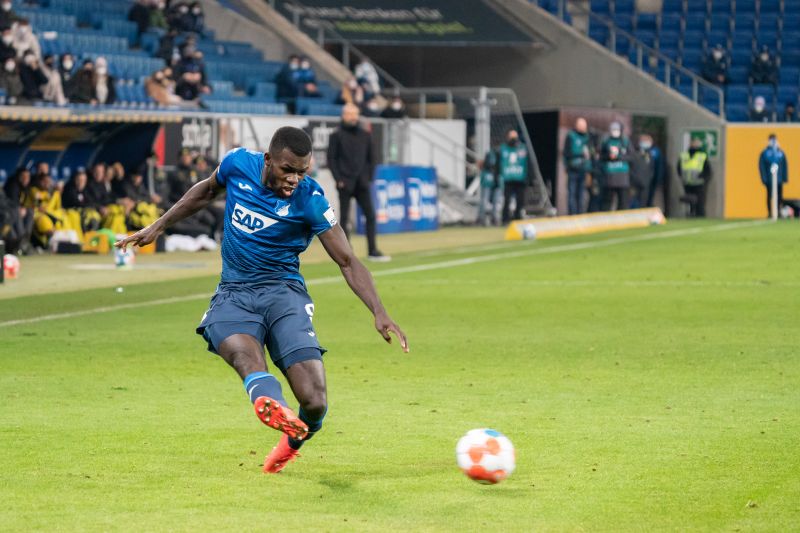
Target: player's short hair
[(295, 139)]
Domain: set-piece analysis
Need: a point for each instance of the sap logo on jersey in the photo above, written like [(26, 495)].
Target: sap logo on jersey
[(249, 221)]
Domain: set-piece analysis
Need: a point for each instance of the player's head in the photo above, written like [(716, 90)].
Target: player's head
[(350, 115), (581, 126), (512, 136), (287, 160), (773, 140)]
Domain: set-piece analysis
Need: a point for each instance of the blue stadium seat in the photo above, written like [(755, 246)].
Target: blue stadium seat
[(742, 41), (720, 23), (695, 22), (738, 75), (712, 106), (669, 39), (697, 6), (737, 94), (692, 58), (769, 39), (789, 75), (601, 7), (721, 6), (323, 109), (599, 33), (624, 22), (671, 22), (741, 57), (769, 6), (221, 87), (768, 22), (714, 38), (671, 53), (693, 39), (265, 90), (744, 22), (672, 6), (647, 37), (623, 45), (745, 7), (791, 21), (767, 91), (787, 93), (736, 112), (624, 6), (647, 22)]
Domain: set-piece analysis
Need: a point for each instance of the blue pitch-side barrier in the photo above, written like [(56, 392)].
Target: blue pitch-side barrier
[(405, 199)]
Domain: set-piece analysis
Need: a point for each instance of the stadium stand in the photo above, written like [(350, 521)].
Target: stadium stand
[(241, 80), (685, 31)]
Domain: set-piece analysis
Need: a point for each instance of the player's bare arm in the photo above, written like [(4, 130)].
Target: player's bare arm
[(360, 281), (199, 196)]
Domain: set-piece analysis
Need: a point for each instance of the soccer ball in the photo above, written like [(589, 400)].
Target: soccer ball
[(11, 266), (124, 260), (486, 456)]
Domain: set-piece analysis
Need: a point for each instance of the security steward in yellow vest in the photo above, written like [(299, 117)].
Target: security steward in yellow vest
[(695, 174)]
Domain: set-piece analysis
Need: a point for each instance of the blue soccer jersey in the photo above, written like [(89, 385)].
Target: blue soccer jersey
[(264, 234)]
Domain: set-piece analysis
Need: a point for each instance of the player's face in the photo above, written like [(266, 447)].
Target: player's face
[(285, 171)]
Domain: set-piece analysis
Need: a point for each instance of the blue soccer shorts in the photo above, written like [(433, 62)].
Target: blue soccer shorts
[(277, 313)]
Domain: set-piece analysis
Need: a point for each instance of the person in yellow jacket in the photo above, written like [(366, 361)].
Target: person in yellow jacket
[(44, 198), (695, 174)]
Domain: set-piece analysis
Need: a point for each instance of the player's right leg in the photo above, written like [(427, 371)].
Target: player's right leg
[(246, 355)]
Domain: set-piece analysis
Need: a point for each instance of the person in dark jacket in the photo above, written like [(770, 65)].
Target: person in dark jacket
[(7, 15), (715, 66), (763, 69), (139, 14), (83, 86), (32, 77), (578, 162), (773, 160), (789, 113), (21, 218), (759, 112), (7, 49), (351, 160)]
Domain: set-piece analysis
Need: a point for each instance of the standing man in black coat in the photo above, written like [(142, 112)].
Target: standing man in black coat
[(351, 160)]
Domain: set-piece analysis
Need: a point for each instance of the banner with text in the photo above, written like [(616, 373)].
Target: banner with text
[(405, 22), (405, 199)]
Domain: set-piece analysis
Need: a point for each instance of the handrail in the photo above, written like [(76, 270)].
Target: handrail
[(642, 48)]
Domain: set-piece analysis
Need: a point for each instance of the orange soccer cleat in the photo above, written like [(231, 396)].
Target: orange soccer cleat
[(280, 456), (276, 416)]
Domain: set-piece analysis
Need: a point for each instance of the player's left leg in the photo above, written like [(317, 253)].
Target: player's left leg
[(307, 380)]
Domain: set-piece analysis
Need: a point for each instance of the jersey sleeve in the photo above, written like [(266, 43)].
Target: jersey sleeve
[(319, 213), (227, 164)]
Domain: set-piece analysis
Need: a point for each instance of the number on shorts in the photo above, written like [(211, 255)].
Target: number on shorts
[(310, 312)]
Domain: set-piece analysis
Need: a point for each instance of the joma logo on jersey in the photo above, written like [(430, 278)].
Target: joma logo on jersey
[(250, 221)]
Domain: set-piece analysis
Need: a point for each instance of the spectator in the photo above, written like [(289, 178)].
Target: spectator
[(166, 45), (10, 82), (32, 76), (105, 91), (578, 162), (158, 18), (189, 88), (367, 76), (7, 16), (287, 78), (115, 175), (208, 221), (139, 14), (395, 109), (76, 199), (180, 17), (83, 85), (7, 49), (352, 93), (759, 111), (101, 197), (20, 218), (773, 161), (44, 198), (145, 206), (53, 90), (351, 161), (763, 69), (25, 40), (789, 113), (657, 178), (715, 66), (512, 170), (162, 90), (372, 108), (695, 173), (197, 18)]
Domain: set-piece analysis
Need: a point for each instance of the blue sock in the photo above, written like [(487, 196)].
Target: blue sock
[(263, 384), (313, 427)]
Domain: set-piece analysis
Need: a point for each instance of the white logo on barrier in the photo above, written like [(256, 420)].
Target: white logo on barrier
[(249, 221)]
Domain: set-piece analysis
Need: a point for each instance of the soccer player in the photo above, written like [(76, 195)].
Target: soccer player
[(272, 213)]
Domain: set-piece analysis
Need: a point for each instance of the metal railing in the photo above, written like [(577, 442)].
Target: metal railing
[(647, 58)]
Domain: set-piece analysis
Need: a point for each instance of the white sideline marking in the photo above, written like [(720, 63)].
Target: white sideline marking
[(404, 270)]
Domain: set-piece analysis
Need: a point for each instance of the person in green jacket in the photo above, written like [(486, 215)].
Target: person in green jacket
[(490, 189), (578, 162), (512, 171)]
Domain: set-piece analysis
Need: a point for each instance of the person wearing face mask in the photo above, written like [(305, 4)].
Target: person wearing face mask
[(83, 85), (759, 111), (763, 69), (645, 162), (10, 82), (7, 50), (158, 19), (715, 66), (351, 160), (615, 158), (32, 77), (695, 173), (104, 89), (512, 171), (395, 109), (25, 40), (773, 160), (368, 77), (53, 90), (161, 89), (197, 18), (287, 80), (372, 108), (578, 162), (180, 17), (7, 15)]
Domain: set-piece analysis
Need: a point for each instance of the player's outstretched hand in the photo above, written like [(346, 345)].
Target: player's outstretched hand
[(142, 237), (386, 325)]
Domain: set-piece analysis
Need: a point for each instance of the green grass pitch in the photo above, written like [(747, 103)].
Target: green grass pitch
[(647, 384)]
